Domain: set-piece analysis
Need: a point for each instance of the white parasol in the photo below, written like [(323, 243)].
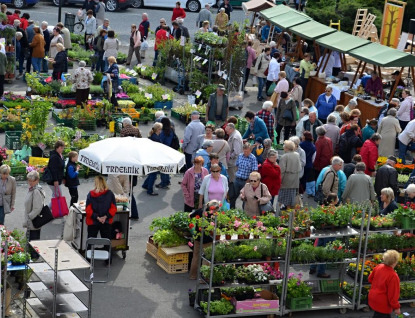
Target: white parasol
[(131, 156)]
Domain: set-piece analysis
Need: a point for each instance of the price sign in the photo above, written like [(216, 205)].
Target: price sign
[(198, 93)]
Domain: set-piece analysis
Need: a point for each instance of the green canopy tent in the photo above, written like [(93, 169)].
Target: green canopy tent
[(275, 11), (341, 42), (310, 30), (383, 56)]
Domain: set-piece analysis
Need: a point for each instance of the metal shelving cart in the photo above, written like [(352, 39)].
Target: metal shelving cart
[(328, 300), (57, 285), (209, 286), (359, 303)]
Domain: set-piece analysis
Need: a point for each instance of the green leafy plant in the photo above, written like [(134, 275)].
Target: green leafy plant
[(20, 258), (217, 307), (168, 238)]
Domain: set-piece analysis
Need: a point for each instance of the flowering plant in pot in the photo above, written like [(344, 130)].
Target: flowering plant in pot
[(296, 288)]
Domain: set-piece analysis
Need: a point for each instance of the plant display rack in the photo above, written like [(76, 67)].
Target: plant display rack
[(360, 303), (57, 285), (334, 299)]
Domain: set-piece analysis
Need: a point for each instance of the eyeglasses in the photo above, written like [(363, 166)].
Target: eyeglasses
[(253, 180), (215, 171)]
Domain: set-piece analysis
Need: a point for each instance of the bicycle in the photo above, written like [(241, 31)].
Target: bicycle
[(79, 26)]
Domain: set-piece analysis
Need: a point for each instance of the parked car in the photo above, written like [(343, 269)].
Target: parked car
[(110, 5), (191, 5), (20, 3)]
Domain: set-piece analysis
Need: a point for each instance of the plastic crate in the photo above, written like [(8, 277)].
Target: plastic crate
[(90, 124), (171, 257), (172, 269), (330, 285), (63, 121), (164, 104), (13, 140), (152, 250), (407, 222), (175, 114), (300, 303), (315, 285)]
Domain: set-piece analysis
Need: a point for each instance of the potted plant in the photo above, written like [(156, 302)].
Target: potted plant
[(297, 292), (217, 307), (265, 248), (192, 297), (20, 258)]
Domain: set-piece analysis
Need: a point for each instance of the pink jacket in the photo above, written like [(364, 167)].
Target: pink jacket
[(251, 56), (188, 185), (137, 39)]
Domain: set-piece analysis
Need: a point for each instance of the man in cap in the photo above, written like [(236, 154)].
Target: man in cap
[(387, 177), (191, 133), (217, 109)]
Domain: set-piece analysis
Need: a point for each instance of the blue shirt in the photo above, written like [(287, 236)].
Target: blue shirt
[(342, 180), (245, 166)]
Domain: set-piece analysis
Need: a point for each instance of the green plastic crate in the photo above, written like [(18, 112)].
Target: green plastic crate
[(408, 223), (90, 124), (65, 122), (300, 303), (175, 114), (330, 285), (13, 140)]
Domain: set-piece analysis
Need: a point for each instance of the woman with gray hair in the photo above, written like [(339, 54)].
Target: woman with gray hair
[(59, 62), (271, 174), (388, 129), (82, 79), (33, 204), (7, 192), (352, 105)]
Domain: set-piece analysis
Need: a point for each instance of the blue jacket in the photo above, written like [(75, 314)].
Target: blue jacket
[(260, 129), (342, 180), (223, 171), (324, 108), (166, 140), (204, 154), (309, 149)]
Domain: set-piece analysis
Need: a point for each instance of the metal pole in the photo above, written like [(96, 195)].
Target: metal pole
[(55, 283), (6, 248), (212, 265), (24, 290), (91, 280), (60, 10)]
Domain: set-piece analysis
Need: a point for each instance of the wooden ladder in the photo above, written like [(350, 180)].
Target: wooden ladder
[(359, 20), (366, 29), (337, 24)]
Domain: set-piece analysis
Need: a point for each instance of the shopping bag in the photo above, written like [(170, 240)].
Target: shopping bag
[(144, 45), (59, 205), (271, 89), (254, 81), (274, 98)]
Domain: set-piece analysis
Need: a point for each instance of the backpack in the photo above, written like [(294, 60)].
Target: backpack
[(175, 143), (343, 146)]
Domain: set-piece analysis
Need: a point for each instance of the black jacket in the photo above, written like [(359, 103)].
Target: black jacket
[(61, 62), (347, 152), (56, 165), (386, 176), (23, 41), (71, 182), (228, 10), (46, 36), (348, 169), (390, 208), (307, 127)]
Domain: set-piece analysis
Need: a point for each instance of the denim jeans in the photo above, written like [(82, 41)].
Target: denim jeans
[(37, 63), (261, 83), (2, 215), (149, 182), (106, 65), (311, 188), (165, 180), (402, 151), (321, 269), (45, 64), (188, 157), (101, 64), (156, 55)]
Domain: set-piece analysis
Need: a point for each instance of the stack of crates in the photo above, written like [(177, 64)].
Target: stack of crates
[(13, 140), (151, 247), (174, 260)]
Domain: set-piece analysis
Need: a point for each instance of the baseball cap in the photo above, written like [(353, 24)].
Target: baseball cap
[(221, 87)]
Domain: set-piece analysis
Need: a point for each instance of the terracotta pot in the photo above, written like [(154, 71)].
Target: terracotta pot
[(246, 236), (228, 237), (240, 237), (267, 258), (11, 75), (256, 236), (307, 233), (211, 233), (217, 237)]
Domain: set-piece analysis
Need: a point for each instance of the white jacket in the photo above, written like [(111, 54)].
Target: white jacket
[(90, 25), (273, 70), (404, 111), (408, 134)]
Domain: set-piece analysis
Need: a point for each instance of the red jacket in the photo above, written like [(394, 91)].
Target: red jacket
[(324, 152), (24, 23), (178, 13), (161, 36), (12, 17), (385, 290), (271, 177), (99, 204), (369, 153)]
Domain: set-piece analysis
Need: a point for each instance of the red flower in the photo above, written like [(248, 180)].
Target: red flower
[(197, 217), (191, 225), (223, 212), (263, 212), (254, 217), (212, 208), (200, 229)]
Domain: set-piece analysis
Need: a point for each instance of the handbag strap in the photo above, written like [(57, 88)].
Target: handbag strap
[(59, 192), (221, 148)]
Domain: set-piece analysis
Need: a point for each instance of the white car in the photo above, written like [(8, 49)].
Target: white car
[(191, 5)]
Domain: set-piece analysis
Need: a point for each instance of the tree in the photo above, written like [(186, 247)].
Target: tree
[(391, 24)]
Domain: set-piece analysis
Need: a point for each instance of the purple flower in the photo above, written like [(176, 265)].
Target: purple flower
[(290, 275), (298, 283)]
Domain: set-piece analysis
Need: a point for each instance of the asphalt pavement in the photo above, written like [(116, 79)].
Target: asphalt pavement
[(137, 286)]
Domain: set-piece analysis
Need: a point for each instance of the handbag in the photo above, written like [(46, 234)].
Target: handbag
[(274, 98), (47, 175), (59, 205), (267, 207), (44, 217), (319, 197), (271, 89), (288, 115)]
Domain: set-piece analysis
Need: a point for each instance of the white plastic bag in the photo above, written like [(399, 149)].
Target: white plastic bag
[(80, 13), (254, 81), (144, 45)]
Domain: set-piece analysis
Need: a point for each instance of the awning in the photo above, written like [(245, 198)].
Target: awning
[(342, 42), (311, 30), (382, 55), (276, 11), (290, 19), (257, 5)]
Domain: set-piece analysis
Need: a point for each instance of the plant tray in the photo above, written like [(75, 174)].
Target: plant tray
[(65, 122), (300, 303), (13, 140), (172, 269), (330, 285), (407, 222), (175, 114), (90, 124), (18, 171), (174, 255), (164, 104)]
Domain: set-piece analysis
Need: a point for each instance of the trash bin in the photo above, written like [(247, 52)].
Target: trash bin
[(69, 21)]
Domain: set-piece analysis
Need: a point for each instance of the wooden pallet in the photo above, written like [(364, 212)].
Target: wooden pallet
[(359, 20)]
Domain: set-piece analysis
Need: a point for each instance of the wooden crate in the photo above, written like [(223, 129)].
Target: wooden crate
[(174, 255), (152, 250), (172, 269)]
